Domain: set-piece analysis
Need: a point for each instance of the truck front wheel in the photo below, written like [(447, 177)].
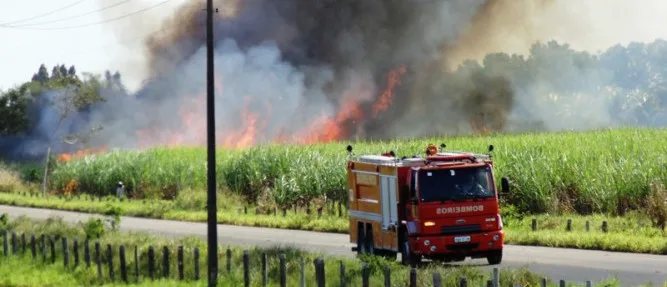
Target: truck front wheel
[(495, 257), (407, 257)]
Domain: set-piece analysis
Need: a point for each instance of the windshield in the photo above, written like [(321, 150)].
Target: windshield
[(455, 184)]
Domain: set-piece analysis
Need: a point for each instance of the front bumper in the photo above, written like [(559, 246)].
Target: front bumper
[(446, 244)]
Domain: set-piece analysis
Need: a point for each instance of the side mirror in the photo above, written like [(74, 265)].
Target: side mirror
[(504, 185)]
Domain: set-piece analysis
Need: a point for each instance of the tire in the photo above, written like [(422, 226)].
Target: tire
[(495, 257), (407, 258), (370, 243), (361, 241)]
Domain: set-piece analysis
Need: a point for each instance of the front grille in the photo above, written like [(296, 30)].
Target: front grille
[(446, 230)]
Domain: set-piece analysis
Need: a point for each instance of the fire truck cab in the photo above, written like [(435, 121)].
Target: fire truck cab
[(440, 207)]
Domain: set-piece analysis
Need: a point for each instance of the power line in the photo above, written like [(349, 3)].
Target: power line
[(71, 17), (95, 23), (42, 15)]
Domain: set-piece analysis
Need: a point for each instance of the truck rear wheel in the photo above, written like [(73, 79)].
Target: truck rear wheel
[(495, 257), (361, 240), (370, 243)]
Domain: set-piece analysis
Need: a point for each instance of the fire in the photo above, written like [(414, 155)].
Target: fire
[(252, 126), (394, 79), (247, 135), (478, 126), (66, 157)]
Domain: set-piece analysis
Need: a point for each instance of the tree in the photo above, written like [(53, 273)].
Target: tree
[(13, 103), (42, 75), (71, 72)]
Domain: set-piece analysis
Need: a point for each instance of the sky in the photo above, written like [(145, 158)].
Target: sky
[(590, 25), (94, 48)]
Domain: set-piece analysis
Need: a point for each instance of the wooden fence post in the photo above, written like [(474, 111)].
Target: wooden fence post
[(437, 281), (463, 282), (569, 224), (589, 283), (543, 282), (136, 263), (52, 242), (246, 268), (316, 265), (283, 271), (151, 262), (181, 274), (496, 277), (23, 243), (265, 274), (387, 276), (588, 226), (33, 247), (196, 255), (5, 244), (364, 275), (413, 277), (65, 252), (165, 261), (123, 263), (604, 226), (86, 252), (98, 259), (322, 273), (342, 274), (75, 249), (302, 277), (533, 225), (229, 261), (562, 283), (44, 248), (15, 247), (110, 261)]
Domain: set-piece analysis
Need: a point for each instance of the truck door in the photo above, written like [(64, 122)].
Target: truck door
[(388, 185)]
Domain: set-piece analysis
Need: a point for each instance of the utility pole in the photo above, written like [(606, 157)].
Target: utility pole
[(210, 117)]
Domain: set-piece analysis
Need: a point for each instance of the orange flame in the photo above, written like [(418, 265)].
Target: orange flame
[(66, 157), (478, 126), (324, 128), (394, 79)]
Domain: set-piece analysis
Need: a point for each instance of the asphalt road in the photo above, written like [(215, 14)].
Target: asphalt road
[(572, 265)]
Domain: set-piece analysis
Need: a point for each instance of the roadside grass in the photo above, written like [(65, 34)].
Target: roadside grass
[(630, 233), (21, 269)]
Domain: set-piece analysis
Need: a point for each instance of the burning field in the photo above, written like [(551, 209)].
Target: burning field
[(304, 72)]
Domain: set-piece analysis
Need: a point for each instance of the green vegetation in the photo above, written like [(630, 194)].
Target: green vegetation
[(22, 269), (607, 171), (633, 232)]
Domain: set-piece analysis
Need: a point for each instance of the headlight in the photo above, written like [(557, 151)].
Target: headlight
[(496, 237), (427, 242), (432, 248)]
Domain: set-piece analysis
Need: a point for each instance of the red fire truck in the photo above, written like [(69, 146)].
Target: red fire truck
[(443, 206)]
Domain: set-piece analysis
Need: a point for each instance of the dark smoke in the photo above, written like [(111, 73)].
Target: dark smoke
[(333, 43), (283, 64)]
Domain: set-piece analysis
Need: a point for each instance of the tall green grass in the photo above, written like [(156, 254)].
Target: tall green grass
[(608, 171)]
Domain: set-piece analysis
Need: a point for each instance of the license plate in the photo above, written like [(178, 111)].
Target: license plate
[(461, 239)]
